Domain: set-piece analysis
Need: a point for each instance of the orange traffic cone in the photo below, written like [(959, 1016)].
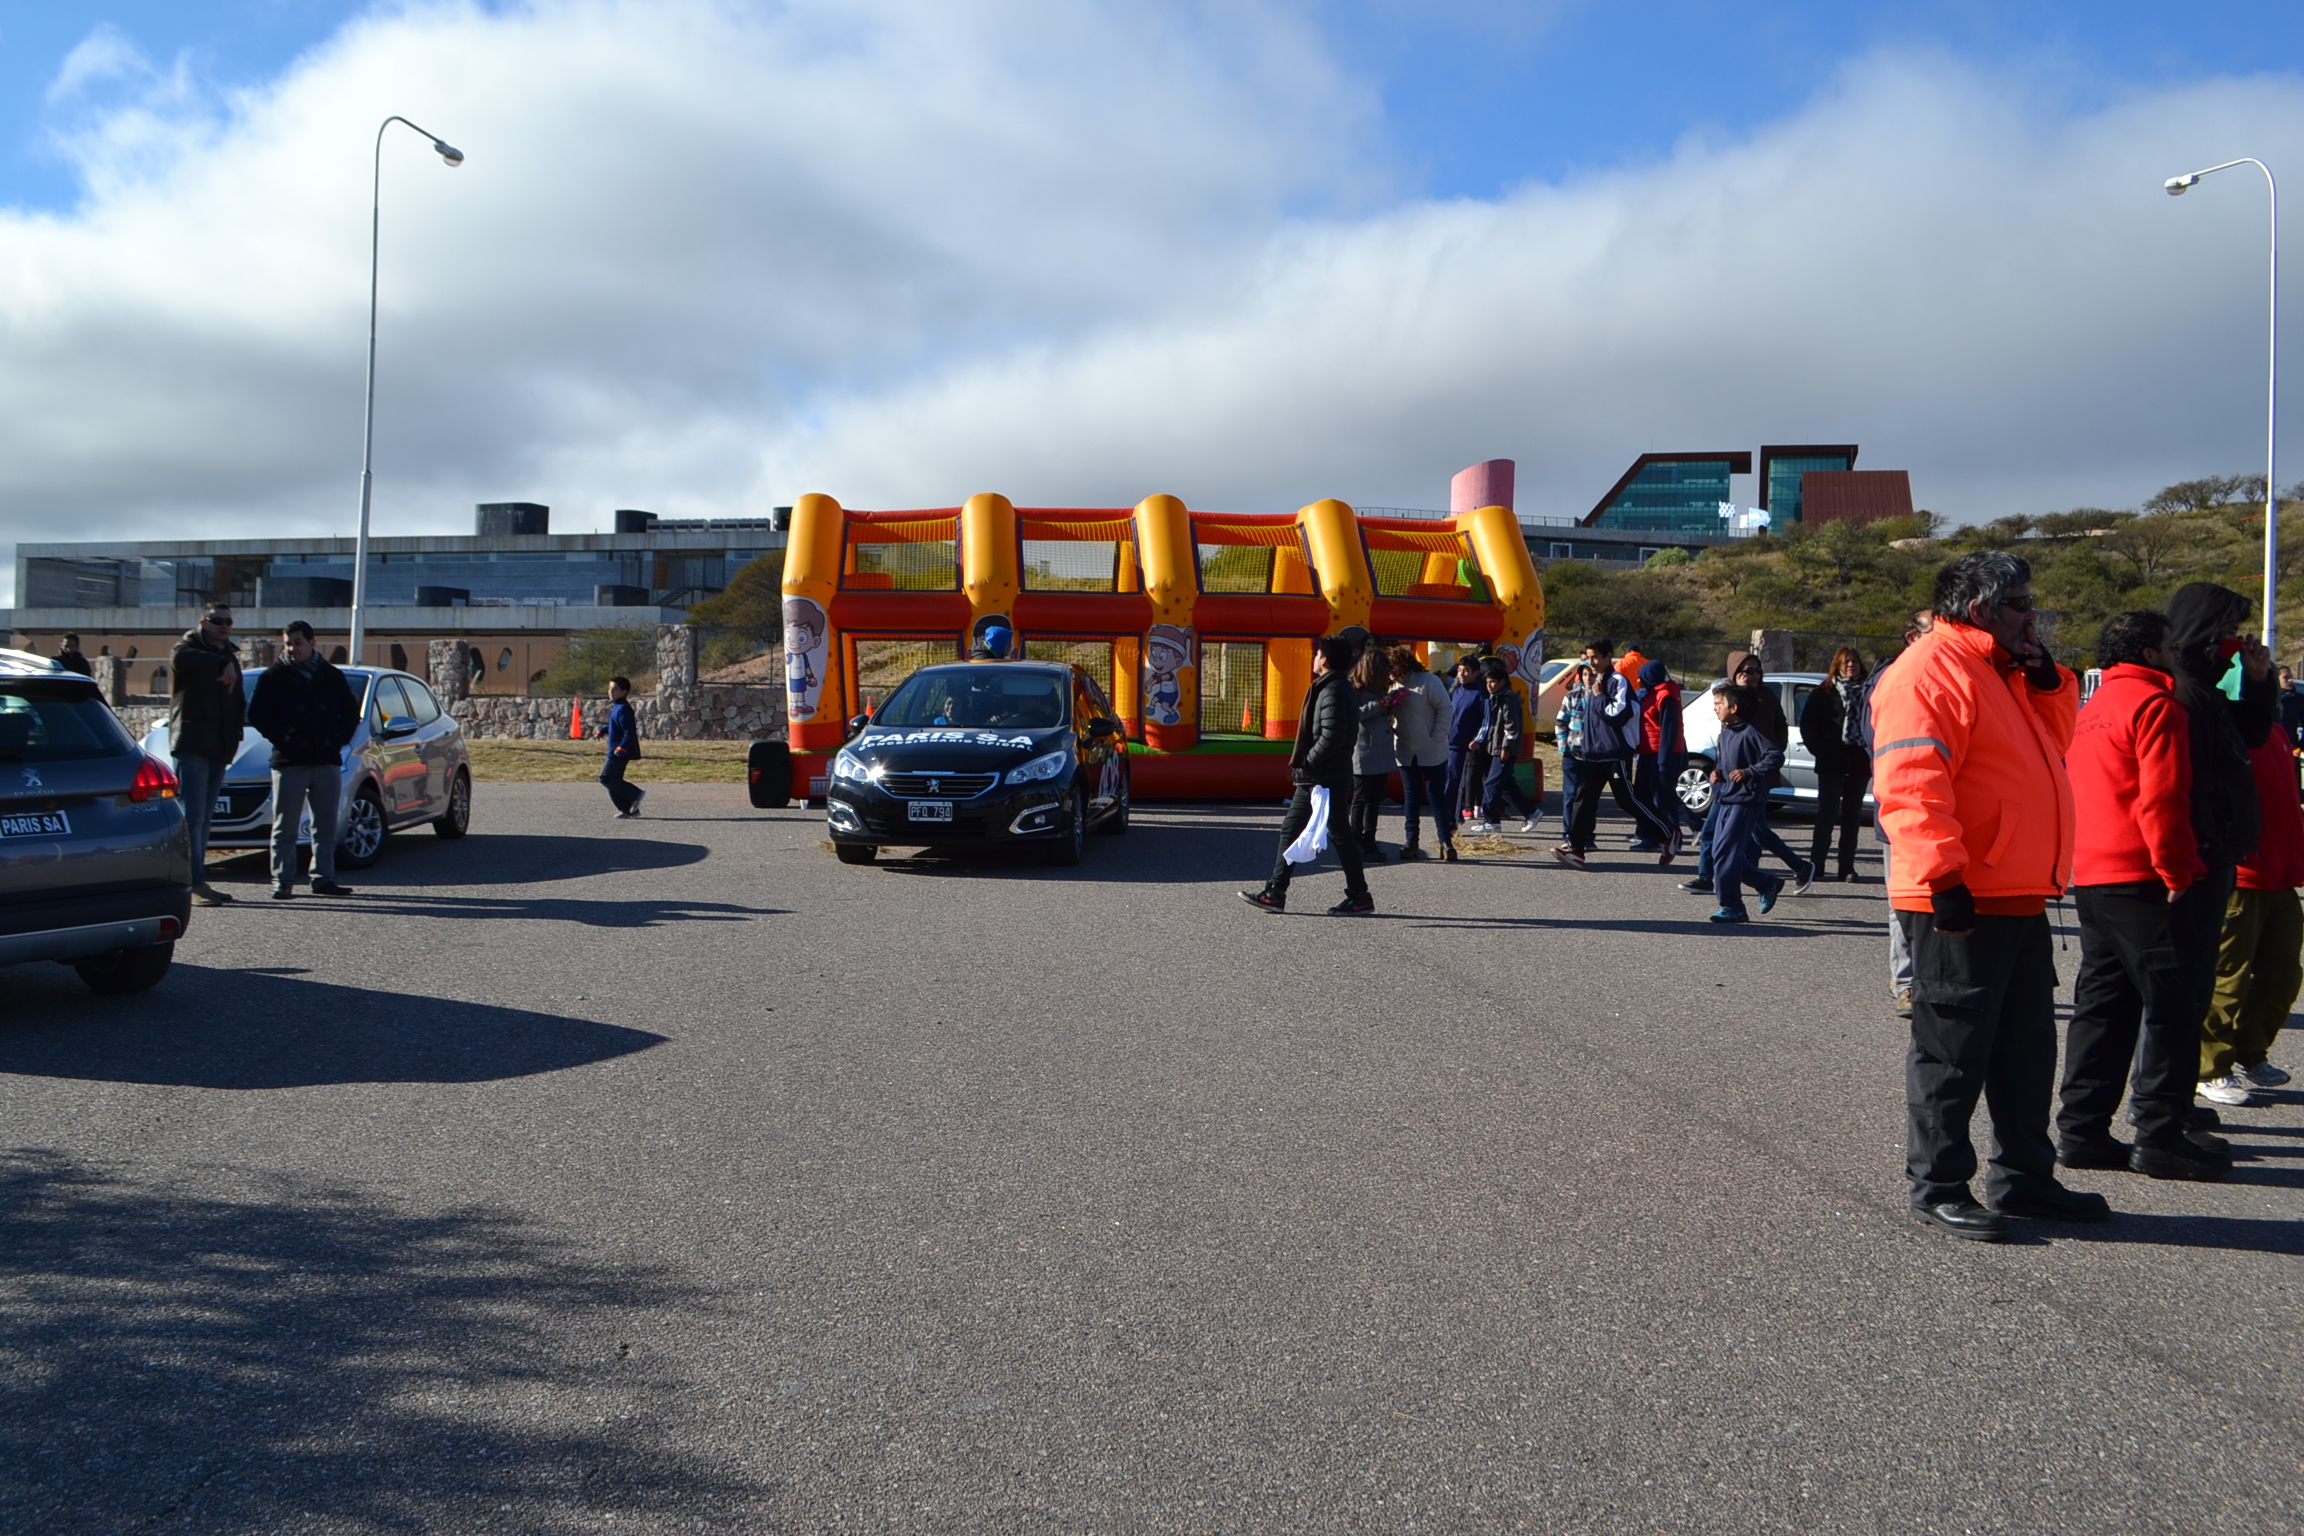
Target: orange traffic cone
[(1247, 719), (575, 718)]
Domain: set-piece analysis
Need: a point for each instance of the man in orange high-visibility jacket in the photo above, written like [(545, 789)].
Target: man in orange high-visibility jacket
[(1969, 730)]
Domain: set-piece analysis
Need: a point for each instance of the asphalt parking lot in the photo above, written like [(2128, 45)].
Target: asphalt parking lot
[(666, 1175)]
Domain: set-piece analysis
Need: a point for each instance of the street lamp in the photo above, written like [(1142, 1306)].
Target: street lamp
[(2177, 186), (454, 157)]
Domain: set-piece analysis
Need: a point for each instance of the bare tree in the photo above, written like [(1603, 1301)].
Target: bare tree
[(2149, 543)]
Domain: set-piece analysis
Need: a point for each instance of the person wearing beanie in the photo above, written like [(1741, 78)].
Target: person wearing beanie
[(992, 644)]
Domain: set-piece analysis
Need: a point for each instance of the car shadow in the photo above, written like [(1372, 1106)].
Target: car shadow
[(556, 909), (496, 858), (216, 1028), (1159, 852), (312, 1358)]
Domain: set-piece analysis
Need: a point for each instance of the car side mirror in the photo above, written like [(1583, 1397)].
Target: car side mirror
[(857, 723), (1103, 725), (398, 726)]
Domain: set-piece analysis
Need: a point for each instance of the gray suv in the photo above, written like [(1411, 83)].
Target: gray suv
[(95, 866)]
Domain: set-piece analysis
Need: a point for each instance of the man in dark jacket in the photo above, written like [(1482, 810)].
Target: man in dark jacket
[(207, 714), (1327, 728), (1467, 719), (305, 708), (2148, 947), (70, 658), (1604, 761)]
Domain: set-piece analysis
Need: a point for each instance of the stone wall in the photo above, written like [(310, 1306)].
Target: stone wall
[(681, 709)]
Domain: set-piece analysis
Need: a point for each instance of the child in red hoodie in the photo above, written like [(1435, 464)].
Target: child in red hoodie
[(2258, 969)]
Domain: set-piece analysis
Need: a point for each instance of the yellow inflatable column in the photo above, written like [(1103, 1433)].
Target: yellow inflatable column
[(1287, 662), (988, 555), (811, 578), (1170, 689), (1517, 594), (1333, 535)]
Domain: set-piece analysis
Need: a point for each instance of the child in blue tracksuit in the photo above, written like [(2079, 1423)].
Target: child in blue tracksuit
[(623, 735), (1745, 759)]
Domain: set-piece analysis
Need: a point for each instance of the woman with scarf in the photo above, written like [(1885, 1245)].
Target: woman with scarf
[(1832, 728)]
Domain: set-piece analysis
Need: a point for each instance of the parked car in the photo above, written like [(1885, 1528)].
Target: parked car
[(981, 752), (406, 766), (95, 865), (1799, 776)]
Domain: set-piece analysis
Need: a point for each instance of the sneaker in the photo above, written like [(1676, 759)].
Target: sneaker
[(1664, 859), (636, 801), (1569, 857), (206, 895), (1904, 1007), (1485, 828), (2231, 1089), (1642, 845), (1697, 887), (1769, 895), (1731, 915), (2264, 1075), (1803, 878), (1354, 906), (1265, 900), (1528, 827), (330, 888)]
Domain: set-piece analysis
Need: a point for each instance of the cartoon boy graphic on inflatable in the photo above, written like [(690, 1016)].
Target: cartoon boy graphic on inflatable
[(1167, 649), (807, 642)]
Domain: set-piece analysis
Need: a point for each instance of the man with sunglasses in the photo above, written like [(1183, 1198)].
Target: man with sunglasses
[(207, 710), (1970, 729)]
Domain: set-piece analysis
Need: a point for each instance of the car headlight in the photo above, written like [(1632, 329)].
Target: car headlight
[(849, 766), (1039, 768)]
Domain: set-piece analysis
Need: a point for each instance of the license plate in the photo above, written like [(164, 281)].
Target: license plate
[(53, 824), (929, 810), (223, 805)]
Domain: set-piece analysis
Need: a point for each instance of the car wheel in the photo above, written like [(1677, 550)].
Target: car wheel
[(458, 819), (1074, 843), (1694, 786), (362, 841), (127, 970), (1116, 822), (855, 853)]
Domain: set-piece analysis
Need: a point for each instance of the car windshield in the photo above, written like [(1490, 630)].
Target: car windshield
[(989, 695), (49, 725), (361, 684)]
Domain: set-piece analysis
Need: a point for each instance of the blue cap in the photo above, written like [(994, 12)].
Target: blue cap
[(996, 640)]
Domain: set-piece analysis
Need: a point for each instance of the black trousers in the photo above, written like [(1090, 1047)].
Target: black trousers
[(1983, 1026), (1595, 774), (1839, 802), (2147, 976), (1368, 806), (1341, 841)]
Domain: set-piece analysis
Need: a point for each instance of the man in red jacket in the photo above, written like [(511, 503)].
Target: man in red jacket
[(2134, 856), (2258, 971)]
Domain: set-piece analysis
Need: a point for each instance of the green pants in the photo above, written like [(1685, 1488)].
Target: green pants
[(2259, 967)]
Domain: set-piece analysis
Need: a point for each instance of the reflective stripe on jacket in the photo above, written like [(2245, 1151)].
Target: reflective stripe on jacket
[(1968, 768)]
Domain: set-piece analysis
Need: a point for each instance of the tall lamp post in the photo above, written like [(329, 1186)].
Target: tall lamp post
[(2177, 186), (454, 157)]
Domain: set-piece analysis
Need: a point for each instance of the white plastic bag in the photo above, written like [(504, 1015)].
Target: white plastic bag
[(1306, 849)]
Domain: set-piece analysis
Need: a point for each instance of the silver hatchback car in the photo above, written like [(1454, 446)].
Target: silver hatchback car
[(406, 766), (95, 866)]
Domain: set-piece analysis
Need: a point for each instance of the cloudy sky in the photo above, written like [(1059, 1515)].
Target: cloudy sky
[(706, 256)]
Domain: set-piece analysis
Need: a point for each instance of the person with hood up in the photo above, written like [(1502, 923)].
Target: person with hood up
[(2258, 969), (1327, 728), (207, 716), (1663, 752), (1970, 728), (2148, 947), (1832, 729)]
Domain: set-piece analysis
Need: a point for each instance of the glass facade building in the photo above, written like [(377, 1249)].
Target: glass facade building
[(1671, 493), (1782, 467)]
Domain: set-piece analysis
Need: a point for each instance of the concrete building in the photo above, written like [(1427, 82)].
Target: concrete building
[(515, 590)]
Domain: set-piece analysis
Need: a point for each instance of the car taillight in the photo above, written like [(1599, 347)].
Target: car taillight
[(153, 779), (171, 929)]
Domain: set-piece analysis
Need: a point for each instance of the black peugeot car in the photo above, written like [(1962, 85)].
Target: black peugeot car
[(982, 752)]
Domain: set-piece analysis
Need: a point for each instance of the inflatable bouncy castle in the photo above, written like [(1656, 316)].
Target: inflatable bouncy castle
[(1197, 626)]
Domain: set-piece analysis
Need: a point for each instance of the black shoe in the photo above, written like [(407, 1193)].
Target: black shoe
[(1410, 852), (330, 888), (2205, 1118), (2094, 1152), (1962, 1218), (1448, 854), (1266, 900), (2181, 1161), (2209, 1145), (2055, 1203), (1354, 906), (1802, 878), (1697, 887), (283, 893)]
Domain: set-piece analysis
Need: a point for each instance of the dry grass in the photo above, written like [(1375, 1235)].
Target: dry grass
[(1487, 845), (661, 762)]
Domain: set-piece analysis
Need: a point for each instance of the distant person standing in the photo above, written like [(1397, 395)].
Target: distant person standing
[(207, 716), (305, 708), (1971, 727), (2258, 969), (623, 733), (1327, 726), (1420, 736), (1375, 755), (1663, 751), (2291, 708), (1503, 733), (1832, 729), (69, 658), (1467, 759)]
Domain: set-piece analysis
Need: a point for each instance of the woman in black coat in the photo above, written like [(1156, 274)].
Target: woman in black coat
[(1830, 728)]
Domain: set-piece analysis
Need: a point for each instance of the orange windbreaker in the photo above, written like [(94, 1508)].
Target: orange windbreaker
[(1968, 767)]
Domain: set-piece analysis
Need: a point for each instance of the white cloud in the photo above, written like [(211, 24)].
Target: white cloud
[(706, 256)]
